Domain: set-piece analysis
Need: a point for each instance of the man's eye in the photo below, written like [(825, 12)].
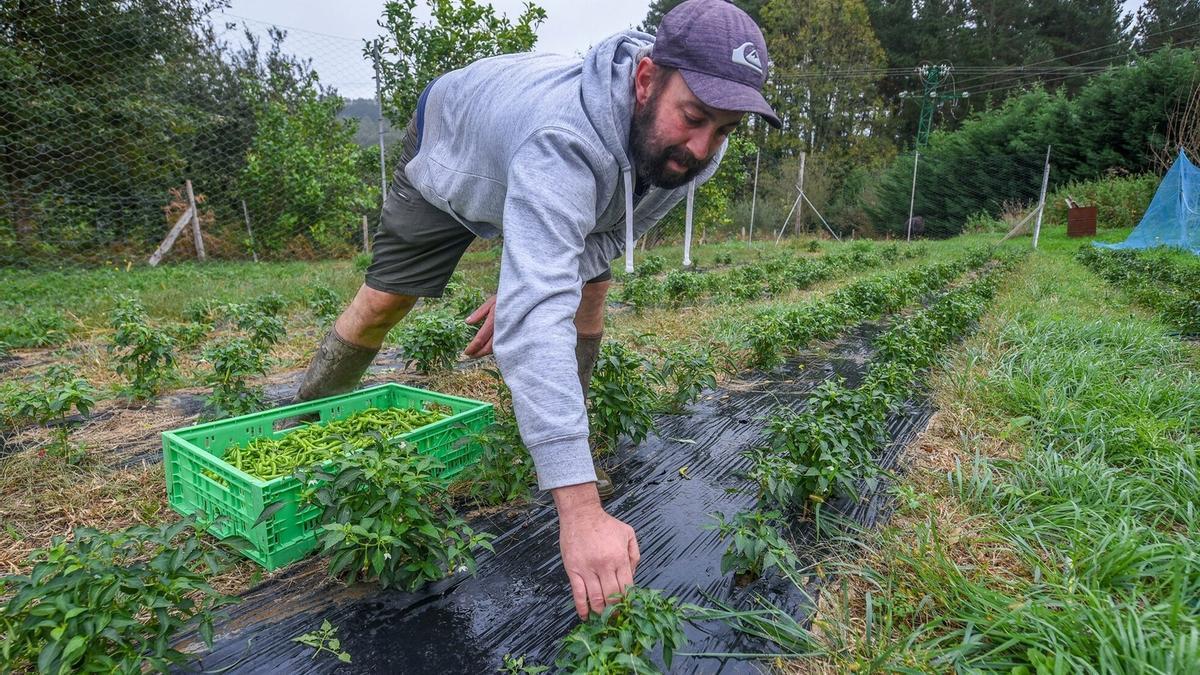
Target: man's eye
[(691, 120)]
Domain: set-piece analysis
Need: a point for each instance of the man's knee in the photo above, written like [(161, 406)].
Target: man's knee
[(378, 308), (371, 315), (589, 318)]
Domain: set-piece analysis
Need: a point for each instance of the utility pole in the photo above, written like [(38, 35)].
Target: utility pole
[(933, 78)]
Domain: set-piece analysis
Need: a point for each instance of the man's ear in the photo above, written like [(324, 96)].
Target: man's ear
[(643, 80)]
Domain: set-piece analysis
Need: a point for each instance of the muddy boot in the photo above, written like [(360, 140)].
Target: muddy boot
[(336, 369), (587, 350)]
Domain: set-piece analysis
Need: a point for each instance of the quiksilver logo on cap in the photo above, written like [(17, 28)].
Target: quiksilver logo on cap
[(747, 55)]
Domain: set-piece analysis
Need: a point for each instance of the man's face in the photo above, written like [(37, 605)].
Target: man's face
[(674, 135)]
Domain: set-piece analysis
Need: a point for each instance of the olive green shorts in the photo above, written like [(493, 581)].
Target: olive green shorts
[(417, 245)]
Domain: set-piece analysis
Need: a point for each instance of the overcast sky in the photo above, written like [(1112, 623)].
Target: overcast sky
[(331, 33)]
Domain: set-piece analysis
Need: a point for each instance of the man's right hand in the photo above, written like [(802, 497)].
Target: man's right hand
[(599, 553)]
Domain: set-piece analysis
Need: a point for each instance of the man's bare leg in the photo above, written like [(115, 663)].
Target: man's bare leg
[(353, 342)]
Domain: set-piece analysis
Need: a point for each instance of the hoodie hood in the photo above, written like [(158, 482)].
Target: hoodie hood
[(608, 102)]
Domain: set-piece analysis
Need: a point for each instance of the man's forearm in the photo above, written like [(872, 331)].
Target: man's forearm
[(577, 501)]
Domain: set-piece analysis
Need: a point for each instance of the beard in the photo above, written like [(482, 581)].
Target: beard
[(650, 155)]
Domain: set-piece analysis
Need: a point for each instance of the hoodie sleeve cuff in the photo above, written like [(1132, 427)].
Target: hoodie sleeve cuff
[(563, 461)]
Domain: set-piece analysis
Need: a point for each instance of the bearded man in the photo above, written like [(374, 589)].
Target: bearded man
[(570, 162)]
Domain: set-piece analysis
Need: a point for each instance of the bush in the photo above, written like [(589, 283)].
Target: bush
[(111, 602), (1120, 201), (233, 362), (35, 328), (145, 354), (301, 176), (386, 515), (621, 395), (433, 340)]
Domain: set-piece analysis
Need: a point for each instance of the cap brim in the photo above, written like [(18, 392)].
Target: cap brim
[(724, 94)]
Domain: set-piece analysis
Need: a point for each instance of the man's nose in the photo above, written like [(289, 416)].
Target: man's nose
[(702, 144)]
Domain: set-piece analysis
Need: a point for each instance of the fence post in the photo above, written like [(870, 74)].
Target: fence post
[(754, 193), (913, 197), (1037, 227), (800, 186), (249, 232), (366, 235), (195, 221), (383, 182)]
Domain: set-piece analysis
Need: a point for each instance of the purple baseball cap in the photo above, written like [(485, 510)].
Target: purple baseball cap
[(720, 52)]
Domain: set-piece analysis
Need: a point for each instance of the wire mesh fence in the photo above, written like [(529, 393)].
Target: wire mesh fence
[(107, 110), (110, 111)]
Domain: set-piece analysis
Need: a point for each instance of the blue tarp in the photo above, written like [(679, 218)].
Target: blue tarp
[(1173, 217)]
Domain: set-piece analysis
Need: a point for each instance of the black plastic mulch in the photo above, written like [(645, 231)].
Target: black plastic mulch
[(519, 602)]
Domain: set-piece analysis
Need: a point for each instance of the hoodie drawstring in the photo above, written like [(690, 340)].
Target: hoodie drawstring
[(627, 174), (687, 227)]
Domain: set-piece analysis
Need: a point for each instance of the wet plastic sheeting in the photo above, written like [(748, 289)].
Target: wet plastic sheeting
[(519, 603)]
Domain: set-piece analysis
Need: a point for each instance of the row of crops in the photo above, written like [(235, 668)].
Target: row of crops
[(117, 601), (1166, 283)]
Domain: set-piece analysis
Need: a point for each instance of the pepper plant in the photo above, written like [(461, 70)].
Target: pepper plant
[(433, 340), (145, 354), (233, 362), (621, 397), (685, 371), (505, 471), (324, 640), (386, 515), (755, 544), (111, 602), (48, 402), (324, 303), (35, 328), (622, 637)]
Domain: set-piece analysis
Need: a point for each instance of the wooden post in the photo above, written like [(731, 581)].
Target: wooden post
[(800, 186), (169, 241), (199, 241), (249, 232), (366, 235)]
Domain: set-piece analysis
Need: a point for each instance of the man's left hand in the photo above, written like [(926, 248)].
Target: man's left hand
[(482, 344)]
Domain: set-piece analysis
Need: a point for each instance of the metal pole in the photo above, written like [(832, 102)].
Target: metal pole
[(788, 217), (1037, 227), (800, 185), (754, 194), (687, 236), (913, 197), (249, 232), (383, 182)]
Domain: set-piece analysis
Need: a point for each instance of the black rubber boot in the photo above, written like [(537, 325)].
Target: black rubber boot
[(336, 369), (587, 350)]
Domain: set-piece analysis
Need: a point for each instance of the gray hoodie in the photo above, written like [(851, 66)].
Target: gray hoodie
[(536, 147)]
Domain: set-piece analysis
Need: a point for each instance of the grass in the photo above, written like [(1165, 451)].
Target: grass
[(1059, 525), (29, 485)]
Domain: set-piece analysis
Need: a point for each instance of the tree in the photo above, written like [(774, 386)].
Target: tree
[(88, 114), (409, 55), (833, 39), (659, 8), (986, 36), (1162, 22), (302, 175), (1115, 123)]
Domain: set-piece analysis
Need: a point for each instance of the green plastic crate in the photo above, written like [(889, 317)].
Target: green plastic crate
[(233, 507)]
